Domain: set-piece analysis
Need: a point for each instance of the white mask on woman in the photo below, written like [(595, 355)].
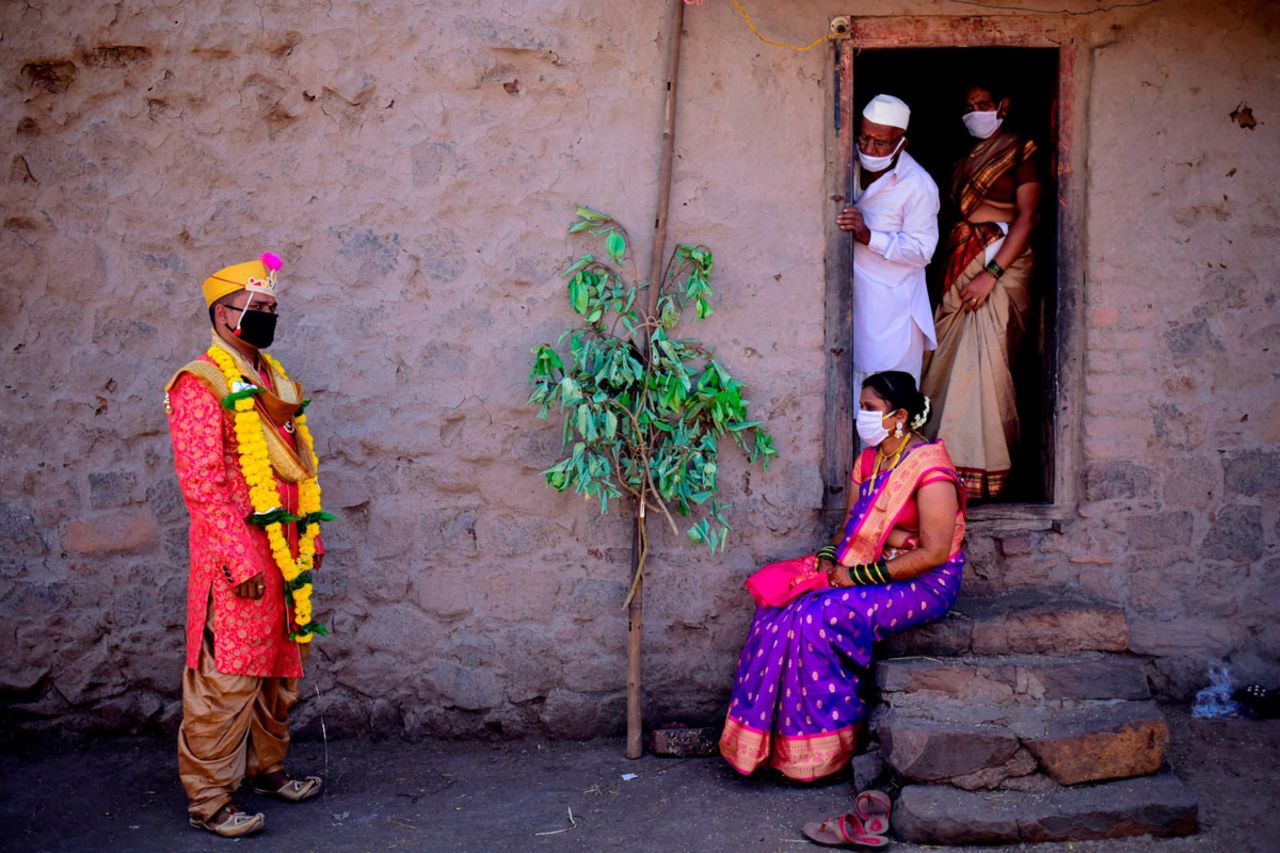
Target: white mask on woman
[(878, 164), (870, 426), (982, 123)]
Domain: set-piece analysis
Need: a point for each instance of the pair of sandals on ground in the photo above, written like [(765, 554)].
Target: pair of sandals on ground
[(230, 822), (866, 826)]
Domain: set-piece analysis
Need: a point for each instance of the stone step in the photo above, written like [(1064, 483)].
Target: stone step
[(1033, 621), (1012, 679), (1154, 805), (978, 746)]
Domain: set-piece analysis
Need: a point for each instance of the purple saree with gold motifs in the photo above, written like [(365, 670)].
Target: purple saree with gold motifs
[(795, 705)]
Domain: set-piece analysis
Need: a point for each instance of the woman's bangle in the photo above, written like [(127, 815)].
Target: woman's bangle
[(995, 269), (827, 553), (870, 574)]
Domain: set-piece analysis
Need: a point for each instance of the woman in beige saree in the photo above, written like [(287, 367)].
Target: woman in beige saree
[(985, 299)]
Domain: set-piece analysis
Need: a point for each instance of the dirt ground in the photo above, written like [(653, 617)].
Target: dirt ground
[(123, 794)]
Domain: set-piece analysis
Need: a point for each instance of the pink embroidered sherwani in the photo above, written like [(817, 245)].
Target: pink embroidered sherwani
[(250, 637), (242, 669)]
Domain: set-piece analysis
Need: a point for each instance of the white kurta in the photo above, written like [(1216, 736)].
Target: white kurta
[(890, 297)]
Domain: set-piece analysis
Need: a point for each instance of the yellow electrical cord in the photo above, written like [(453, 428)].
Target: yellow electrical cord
[(797, 48)]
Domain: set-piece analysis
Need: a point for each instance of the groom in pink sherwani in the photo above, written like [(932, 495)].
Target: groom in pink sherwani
[(242, 667)]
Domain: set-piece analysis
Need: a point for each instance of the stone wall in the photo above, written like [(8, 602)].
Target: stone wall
[(416, 166)]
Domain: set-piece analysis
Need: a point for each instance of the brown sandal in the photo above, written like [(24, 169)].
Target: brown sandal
[(291, 791), (236, 824)]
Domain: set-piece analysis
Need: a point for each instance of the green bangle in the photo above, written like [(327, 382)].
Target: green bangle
[(870, 574), (995, 269)]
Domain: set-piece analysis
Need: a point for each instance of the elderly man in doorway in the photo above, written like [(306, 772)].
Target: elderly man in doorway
[(245, 461), (894, 222)]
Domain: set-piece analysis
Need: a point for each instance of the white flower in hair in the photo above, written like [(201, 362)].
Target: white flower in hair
[(922, 418)]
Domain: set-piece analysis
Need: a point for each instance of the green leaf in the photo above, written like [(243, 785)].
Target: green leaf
[(578, 265), (616, 245), (578, 296), (275, 516), (229, 401), (570, 392), (317, 517), (589, 214)]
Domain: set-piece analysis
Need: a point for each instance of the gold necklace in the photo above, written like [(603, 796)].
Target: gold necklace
[(897, 456)]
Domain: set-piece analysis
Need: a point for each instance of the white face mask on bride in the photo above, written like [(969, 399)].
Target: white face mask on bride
[(982, 123), (870, 425)]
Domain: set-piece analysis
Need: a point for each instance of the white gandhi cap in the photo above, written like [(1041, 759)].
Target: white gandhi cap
[(887, 110)]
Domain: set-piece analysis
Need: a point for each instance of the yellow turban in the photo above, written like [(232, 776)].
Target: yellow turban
[(256, 276)]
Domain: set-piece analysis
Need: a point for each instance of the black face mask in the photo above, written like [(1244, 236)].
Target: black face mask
[(257, 328)]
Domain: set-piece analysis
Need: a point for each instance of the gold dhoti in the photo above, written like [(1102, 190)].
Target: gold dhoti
[(233, 726)]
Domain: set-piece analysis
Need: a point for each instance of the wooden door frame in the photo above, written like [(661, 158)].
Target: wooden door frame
[(1074, 71)]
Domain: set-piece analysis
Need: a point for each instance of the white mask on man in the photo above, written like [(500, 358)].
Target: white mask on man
[(982, 123), (879, 164), (870, 425)]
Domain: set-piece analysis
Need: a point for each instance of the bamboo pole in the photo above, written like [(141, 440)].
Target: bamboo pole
[(635, 610)]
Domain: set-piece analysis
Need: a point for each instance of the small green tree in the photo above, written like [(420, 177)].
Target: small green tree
[(645, 413)]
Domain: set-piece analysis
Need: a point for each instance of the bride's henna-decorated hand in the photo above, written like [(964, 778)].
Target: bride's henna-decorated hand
[(839, 576)]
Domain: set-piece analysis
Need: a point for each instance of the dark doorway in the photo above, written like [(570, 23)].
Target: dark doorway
[(933, 82)]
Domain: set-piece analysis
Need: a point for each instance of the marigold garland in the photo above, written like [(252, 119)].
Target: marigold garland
[(256, 467)]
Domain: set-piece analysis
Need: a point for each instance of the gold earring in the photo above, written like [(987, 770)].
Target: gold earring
[(897, 430)]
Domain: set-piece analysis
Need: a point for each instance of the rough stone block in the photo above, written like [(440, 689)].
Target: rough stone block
[(1026, 621), (1193, 341), (19, 533), (1103, 741), (1236, 535), (921, 680), (1100, 677), (1037, 782), (446, 592), (1159, 806), (1015, 546), (683, 742), (573, 715), (867, 769), (1192, 482), (1211, 638), (1165, 530), (470, 688), (1023, 763), (1014, 679), (1254, 472), (950, 636), (1090, 742), (119, 532), (1110, 480), (924, 750), (112, 489)]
